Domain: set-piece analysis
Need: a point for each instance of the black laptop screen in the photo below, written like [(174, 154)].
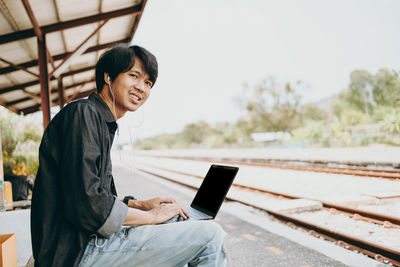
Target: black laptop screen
[(214, 188)]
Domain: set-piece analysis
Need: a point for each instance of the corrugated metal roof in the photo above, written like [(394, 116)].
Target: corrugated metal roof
[(66, 25)]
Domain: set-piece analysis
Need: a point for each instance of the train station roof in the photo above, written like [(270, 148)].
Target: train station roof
[(53, 46)]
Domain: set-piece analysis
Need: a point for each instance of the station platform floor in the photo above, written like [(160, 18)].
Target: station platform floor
[(254, 239)]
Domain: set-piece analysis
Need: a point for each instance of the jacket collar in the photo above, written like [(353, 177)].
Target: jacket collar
[(101, 107)]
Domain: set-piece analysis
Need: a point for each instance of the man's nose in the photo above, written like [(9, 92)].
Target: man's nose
[(140, 86)]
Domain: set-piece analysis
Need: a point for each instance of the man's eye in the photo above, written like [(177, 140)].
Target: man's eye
[(134, 75), (149, 83)]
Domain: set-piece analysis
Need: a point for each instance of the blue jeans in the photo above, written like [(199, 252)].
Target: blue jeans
[(196, 243)]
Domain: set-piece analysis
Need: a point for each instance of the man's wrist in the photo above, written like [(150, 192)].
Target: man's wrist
[(137, 204), (152, 217), (127, 199)]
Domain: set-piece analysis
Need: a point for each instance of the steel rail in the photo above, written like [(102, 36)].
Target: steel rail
[(376, 217), (387, 174), (378, 252)]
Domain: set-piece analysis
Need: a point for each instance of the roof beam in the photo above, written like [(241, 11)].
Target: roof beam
[(78, 90), (77, 52), (14, 25), (34, 63), (85, 93), (18, 86), (80, 83), (19, 35), (72, 72), (30, 109), (11, 103), (98, 34), (44, 81), (137, 20), (57, 10), (80, 95), (61, 92), (35, 108), (31, 95), (9, 108), (35, 24), (31, 83), (19, 67), (36, 27)]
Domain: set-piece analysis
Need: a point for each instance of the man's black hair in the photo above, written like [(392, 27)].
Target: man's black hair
[(120, 59)]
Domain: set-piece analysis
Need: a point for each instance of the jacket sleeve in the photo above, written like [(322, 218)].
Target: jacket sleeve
[(87, 202)]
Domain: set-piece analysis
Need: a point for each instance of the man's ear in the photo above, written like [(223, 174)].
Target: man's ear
[(106, 78)]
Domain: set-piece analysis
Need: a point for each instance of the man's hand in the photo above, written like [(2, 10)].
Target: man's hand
[(151, 203), (164, 212), (153, 211)]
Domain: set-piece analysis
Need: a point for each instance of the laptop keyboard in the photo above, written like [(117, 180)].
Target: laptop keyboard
[(197, 215), (193, 215)]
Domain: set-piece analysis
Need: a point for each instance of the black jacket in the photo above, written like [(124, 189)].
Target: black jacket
[(74, 194)]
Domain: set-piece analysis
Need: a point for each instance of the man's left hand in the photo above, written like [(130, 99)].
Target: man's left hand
[(151, 203)]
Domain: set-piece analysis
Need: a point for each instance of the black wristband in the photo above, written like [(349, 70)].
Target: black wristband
[(127, 198)]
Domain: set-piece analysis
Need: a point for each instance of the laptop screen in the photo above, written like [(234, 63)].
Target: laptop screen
[(214, 188)]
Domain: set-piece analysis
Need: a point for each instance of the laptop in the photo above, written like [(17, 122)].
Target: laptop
[(211, 193)]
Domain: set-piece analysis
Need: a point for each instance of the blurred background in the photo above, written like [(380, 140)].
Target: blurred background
[(270, 73), (267, 73), (303, 96)]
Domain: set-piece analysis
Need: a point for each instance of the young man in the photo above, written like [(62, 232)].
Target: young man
[(76, 218)]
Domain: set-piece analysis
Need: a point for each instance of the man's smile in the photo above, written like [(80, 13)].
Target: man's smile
[(135, 96)]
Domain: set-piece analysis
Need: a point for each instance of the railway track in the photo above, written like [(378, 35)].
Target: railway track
[(299, 166), (376, 251)]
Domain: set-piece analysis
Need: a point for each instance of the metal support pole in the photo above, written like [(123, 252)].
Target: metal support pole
[(44, 80), (3, 202), (61, 97)]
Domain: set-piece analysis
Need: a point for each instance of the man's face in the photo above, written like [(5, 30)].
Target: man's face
[(131, 89)]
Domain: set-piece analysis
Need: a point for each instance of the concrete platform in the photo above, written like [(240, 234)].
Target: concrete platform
[(253, 238), (18, 223)]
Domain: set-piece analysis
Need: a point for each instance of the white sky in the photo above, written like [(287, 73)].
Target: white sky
[(207, 49)]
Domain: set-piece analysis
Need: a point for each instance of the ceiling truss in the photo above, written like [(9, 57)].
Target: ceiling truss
[(23, 95)]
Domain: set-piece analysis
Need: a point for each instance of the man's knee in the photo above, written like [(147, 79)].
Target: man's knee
[(211, 246), (214, 232)]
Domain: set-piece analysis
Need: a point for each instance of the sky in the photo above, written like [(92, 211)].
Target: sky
[(207, 50)]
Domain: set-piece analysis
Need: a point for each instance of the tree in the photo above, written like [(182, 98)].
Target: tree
[(272, 107), (353, 117), (194, 133), (386, 88), (339, 103), (313, 113), (367, 92), (361, 86)]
